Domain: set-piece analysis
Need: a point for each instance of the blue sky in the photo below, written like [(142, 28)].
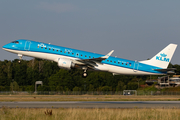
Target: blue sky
[(136, 30)]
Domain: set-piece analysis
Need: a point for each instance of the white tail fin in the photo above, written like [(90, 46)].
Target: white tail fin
[(163, 58)]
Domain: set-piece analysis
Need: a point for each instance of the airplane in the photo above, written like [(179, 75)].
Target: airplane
[(68, 58)]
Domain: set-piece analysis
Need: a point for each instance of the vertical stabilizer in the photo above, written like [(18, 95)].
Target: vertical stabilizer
[(163, 58)]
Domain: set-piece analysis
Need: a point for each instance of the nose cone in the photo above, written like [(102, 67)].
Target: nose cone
[(7, 46)]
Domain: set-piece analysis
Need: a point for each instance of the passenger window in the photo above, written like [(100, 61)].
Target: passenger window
[(118, 62), (64, 51), (38, 46), (108, 60), (49, 48), (111, 61), (85, 56), (61, 51), (114, 61), (45, 48), (42, 47), (72, 53), (89, 56), (57, 50), (68, 52)]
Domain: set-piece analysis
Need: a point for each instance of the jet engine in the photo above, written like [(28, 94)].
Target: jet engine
[(65, 63)]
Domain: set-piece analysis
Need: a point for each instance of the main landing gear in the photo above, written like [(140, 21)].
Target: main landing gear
[(20, 57), (84, 75)]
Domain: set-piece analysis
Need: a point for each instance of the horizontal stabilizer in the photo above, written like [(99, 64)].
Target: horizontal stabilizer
[(165, 70), (168, 70)]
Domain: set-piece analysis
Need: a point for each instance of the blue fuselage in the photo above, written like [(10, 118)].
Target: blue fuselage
[(25, 47)]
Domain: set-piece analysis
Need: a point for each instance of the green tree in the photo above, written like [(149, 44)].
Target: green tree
[(76, 88), (132, 86), (177, 69), (61, 78), (105, 88), (14, 86), (19, 71), (91, 87), (121, 86)]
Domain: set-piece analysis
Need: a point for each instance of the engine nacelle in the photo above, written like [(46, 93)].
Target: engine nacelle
[(65, 63)]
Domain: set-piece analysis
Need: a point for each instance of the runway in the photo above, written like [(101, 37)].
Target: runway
[(94, 104)]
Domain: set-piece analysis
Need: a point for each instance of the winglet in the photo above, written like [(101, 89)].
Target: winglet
[(109, 54)]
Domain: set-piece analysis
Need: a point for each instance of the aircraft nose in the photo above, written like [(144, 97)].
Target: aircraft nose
[(6, 46)]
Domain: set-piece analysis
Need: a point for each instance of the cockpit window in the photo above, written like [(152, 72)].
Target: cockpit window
[(15, 42)]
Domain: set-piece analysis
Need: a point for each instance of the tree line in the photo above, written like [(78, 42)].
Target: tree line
[(22, 77)]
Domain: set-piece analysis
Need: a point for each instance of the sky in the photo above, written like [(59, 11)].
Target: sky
[(135, 29)]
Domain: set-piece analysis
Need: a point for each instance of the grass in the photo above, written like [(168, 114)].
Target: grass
[(89, 114), (14, 98)]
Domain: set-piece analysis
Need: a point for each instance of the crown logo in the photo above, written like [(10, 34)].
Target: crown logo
[(163, 55)]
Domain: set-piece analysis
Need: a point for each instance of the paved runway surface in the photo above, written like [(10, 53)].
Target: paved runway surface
[(94, 104)]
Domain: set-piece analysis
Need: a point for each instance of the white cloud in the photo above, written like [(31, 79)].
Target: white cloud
[(57, 7)]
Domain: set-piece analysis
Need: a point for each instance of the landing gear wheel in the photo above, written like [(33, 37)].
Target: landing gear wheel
[(20, 58), (85, 72), (84, 75)]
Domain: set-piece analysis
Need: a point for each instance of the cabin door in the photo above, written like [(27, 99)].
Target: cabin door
[(136, 65)]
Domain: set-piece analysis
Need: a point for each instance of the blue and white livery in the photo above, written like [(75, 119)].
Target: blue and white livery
[(69, 58)]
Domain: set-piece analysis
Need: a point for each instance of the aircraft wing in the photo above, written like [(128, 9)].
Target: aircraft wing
[(92, 62)]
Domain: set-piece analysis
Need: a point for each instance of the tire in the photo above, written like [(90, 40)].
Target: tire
[(84, 75)]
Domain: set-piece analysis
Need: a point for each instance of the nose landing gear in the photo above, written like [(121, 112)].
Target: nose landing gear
[(20, 57)]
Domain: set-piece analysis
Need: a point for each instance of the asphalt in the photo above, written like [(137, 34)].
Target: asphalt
[(93, 104)]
